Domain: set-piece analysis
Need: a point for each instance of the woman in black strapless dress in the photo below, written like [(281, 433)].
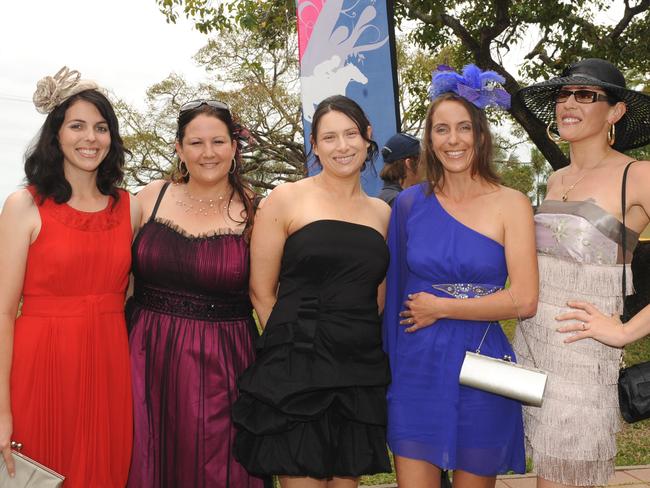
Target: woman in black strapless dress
[(312, 408)]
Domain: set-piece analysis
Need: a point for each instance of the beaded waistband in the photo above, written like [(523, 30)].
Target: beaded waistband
[(467, 290), (199, 307)]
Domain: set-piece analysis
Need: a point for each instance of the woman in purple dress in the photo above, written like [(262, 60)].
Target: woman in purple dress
[(454, 240), (191, 327)]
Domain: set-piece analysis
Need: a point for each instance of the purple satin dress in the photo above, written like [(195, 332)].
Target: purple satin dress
[(191, 335)]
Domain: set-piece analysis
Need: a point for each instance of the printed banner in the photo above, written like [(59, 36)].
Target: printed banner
[(347, 48)]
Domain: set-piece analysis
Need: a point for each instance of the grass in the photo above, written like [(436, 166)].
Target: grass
[(633, 445), (632, 440)]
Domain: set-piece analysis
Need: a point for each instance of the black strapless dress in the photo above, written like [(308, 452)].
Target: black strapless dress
[(314, 401)]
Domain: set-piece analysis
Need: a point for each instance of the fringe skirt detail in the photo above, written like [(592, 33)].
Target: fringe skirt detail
[(572, 437)]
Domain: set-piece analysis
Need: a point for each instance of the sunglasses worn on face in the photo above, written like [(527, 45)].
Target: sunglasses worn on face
[(197, 103), (581, 96)]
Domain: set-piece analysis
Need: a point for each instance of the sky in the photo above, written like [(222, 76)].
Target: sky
[(125, 45)]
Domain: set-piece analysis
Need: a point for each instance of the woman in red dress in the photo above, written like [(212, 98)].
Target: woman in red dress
[(65, 389)]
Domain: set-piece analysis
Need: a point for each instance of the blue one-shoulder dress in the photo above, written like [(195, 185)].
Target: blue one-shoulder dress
[(431, 417)]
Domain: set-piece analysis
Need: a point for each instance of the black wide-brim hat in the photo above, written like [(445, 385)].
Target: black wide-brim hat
[(633, 130)]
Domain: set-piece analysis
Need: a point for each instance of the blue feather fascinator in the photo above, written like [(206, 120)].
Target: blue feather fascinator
[(482, 88)]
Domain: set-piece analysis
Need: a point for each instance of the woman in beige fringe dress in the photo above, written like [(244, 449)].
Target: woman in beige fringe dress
[(572, 437)]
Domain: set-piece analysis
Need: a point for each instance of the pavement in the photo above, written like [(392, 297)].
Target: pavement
[(626, 476)]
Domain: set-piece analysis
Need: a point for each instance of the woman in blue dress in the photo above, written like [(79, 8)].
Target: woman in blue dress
[(454, 240)]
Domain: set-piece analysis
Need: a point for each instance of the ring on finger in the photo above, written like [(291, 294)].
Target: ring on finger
[(584, 326)]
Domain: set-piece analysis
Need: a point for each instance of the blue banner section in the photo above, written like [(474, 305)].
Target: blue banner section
[(347, 48)]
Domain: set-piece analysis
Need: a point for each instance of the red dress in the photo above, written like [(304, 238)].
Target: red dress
[(70, 381)]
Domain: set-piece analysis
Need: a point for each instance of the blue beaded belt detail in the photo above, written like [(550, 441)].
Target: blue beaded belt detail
[(467, 290)]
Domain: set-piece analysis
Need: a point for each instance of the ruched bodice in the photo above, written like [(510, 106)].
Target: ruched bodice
[(203, 277), (109, 263), (330, 271), (581, 232), (341, 262)]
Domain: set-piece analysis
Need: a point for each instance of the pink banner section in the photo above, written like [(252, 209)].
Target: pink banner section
[(308, 12)]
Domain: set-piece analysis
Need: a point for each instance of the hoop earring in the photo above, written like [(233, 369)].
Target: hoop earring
[(552, 136), (611, 135), (233, 166), (180, 166)]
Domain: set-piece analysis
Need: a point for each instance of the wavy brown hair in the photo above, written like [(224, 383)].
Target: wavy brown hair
[(239, 187), (482, 160)]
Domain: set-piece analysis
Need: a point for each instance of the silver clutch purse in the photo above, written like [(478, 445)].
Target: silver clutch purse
[(29, 473), (503, 377)]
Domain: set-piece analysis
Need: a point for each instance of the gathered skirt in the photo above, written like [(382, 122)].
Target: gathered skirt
[(184, 384), (70, 387), (318, 408)]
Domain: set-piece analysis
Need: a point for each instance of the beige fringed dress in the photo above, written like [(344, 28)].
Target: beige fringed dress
[(572, 437)]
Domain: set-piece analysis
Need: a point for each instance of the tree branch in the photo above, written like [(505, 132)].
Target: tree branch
[(628, 15), (501, 23), (459, 29)]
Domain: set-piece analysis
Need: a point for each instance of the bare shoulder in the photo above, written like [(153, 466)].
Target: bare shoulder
[(379, 215), (381, 208), (513, 201), (511, 196), (135, 207), (149, 193), (642, 170), (20, 213), (20, 203), (285, 193), (638, 179)]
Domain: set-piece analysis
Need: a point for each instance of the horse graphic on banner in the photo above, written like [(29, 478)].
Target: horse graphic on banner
[(327, 48), (331, 77)]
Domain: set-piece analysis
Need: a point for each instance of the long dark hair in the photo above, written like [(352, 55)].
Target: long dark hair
[(44, 159), (351, 109), (245, 193), (482, 163)]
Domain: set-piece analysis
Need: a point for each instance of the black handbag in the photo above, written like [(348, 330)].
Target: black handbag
[(633, 381)]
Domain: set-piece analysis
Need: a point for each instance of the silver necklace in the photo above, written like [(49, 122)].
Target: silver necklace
[(202, 206)]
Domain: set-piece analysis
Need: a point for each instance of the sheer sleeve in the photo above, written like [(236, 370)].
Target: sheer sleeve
[(397, 274)]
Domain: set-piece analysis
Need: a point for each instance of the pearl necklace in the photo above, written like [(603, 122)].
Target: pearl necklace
[(202, 206)]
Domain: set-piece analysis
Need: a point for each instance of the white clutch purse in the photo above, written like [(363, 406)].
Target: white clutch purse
[(29, 473), (502, 376)]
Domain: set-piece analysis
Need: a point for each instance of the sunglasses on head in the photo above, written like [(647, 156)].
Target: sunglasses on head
[(581, 96), (197, 103)]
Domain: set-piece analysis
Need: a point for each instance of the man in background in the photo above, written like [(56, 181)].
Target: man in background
[(401, 154)]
